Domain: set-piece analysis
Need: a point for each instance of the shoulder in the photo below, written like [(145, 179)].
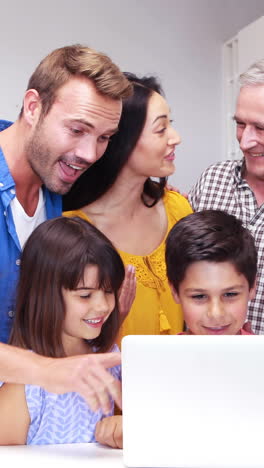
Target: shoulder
[(216, 180), (176, 204), (220, 168), (244, 332), (5, 124), (78, 213)]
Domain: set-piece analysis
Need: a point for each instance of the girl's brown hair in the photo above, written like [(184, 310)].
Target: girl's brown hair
[(55, 257)]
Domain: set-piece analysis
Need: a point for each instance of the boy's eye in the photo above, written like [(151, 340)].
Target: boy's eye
[(231, 294), (76, 131), (104, 138), (198, 297)]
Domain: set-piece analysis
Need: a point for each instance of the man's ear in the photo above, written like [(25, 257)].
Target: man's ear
[(174, 294), (31, 106), (252, 291)]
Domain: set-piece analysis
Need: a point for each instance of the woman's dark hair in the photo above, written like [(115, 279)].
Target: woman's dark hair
[(55, 257), (102, 175), (212, 236)]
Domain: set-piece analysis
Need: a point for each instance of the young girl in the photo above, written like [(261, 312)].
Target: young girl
[(67, 304)]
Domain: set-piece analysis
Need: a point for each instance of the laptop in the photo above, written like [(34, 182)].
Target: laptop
[(193, 401)]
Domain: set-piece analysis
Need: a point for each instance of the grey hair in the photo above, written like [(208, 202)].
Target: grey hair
[(254, 75)]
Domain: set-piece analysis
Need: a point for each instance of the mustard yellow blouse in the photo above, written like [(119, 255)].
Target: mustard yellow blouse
[(154, 311)]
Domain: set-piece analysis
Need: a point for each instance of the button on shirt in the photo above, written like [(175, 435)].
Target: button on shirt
[(222, 187), (10, 249)]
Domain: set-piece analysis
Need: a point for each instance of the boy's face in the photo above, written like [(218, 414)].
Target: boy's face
[(214, 298)]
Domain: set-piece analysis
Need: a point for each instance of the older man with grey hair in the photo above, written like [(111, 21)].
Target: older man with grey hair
[(237, 186)]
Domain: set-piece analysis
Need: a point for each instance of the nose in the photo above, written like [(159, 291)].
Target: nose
[(174, 137), (86, 150), (215, 309), (100, 303), (247, 138)]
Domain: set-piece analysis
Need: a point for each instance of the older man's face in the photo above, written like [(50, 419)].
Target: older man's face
[(73, 135), (249, 119)]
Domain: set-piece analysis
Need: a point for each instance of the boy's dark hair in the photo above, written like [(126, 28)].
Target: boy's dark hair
[(55, 257), (102, 175), (210, 235)]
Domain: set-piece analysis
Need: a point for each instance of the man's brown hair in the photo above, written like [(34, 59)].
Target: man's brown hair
[(77, 60)]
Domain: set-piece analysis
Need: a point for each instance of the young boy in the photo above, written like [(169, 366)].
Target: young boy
[(211, 266)]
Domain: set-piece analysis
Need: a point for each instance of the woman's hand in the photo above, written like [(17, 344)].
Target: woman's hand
[(127, 292)]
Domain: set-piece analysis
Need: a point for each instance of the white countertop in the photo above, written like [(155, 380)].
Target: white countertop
[(70, 455)]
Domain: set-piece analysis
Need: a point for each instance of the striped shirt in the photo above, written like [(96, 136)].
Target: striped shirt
[(221, 186)]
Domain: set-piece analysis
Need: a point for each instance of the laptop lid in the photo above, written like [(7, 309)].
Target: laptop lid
[(193, 401)]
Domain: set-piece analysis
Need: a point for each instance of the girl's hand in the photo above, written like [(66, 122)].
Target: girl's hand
[(109, 431), (127, 292)]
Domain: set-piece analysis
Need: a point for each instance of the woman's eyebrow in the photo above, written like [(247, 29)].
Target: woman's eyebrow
[(163, 116)]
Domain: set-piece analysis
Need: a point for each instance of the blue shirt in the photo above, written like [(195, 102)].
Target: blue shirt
[(10, 249)]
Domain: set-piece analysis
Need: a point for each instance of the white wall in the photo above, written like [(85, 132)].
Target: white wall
[(178, 40)]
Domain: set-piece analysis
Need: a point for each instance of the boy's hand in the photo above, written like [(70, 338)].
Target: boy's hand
[(109, 431)]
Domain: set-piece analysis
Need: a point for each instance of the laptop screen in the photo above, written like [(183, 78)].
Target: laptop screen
[(193, 401)]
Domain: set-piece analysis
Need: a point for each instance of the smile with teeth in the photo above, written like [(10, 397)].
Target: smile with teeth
[(74, 167), (218, 328), (256, 155), (93, 320)]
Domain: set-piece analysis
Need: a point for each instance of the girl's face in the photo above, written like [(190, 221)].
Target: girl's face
[(154, 153), (86, 310)]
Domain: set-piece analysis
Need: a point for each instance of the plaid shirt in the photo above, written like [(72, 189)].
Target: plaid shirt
[(222, 187)]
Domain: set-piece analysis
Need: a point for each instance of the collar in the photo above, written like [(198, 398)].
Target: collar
[(239, 172), (6, 180)]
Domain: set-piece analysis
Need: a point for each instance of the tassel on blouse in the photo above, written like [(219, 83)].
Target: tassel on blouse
[(164, 323)]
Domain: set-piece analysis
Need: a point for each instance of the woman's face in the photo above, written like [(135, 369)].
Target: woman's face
[(154, 153)]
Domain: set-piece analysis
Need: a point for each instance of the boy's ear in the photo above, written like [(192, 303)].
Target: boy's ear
[(252, 291), (174, 294)]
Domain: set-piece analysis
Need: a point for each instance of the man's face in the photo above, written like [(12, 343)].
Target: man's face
[(73, 135), (249, 119)]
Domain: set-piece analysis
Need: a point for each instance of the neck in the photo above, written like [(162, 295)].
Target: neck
[(124, 195), (13, 142)]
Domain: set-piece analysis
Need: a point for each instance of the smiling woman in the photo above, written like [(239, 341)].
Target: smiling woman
[(118, 195)]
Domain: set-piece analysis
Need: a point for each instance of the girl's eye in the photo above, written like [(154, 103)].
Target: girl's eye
[(86, 296)]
